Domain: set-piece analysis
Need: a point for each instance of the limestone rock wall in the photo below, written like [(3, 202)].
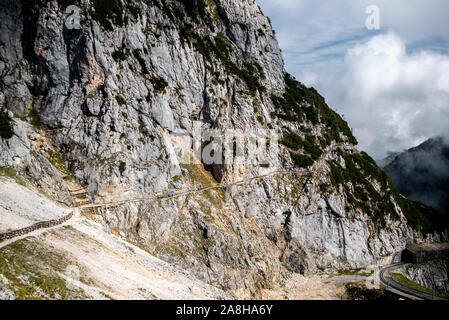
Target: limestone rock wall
[(110, 101)]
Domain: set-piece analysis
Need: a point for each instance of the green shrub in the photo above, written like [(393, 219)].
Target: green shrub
[(11, 173), (301, 161), (119, 55), (292, 141), (360, 168), (143, 65), (107, 13), (220, 47), (35, 119), (142, 129), (203, 45), (6, 129), (248, 74), (120, 100), (311, 114), (357, 291), (295, 142), (290, 107), (195, 9), (310, 146), (243, 26), (336, 175), (421, 217), (56, 159), (159, 84)]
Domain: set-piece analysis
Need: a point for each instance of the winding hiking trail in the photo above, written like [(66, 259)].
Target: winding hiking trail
[(106, 266), (78, 193), (136, 273), (6, 238), (75, 221), (173, 194)]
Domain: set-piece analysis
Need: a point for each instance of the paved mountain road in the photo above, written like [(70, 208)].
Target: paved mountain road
[(388, 281)]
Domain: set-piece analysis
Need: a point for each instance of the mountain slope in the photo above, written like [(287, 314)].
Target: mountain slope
[(422, 173), (110, 104), (79, 259)]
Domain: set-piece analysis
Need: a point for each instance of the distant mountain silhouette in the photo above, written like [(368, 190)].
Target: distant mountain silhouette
[(422, 173)]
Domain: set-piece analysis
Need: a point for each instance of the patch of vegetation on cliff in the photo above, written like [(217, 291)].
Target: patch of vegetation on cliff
[(144, 131), (6, 129), (58, 161), (300, 160), (142, 63), (134, 11), (291, 107), (184, 11), (25, 266), (360, 172), (413, 285), (120, 100), (421, 217), (110, 13), (196, 10), (363, 195), (355, 272), (295, 142), (358, 291), (221, 48), (11, 173), (159, 83), (107, 13), (35, 119), (200, 175), (119, 55)]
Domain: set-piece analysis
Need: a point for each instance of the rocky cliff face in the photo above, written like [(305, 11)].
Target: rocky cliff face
[(433, 275), (111, 101)]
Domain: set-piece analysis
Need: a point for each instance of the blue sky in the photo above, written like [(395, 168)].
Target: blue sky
[(392, 84)]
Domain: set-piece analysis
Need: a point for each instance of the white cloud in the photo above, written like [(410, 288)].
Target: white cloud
[(392, 86), (395, 99)]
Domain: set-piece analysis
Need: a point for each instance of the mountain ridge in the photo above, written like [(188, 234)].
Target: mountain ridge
[(100, 105), (422, 173)]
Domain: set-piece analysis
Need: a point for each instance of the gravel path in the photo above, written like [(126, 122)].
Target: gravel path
[(21, 207), (113, 267)]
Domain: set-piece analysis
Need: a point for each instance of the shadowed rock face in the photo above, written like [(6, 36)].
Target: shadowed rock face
[(110, 97), (422, 173), (418, 253), (433, 275)]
